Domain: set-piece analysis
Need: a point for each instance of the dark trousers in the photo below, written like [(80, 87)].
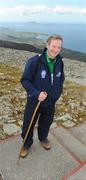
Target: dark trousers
[(45, 118)]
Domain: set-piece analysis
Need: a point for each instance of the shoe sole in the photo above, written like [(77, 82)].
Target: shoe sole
[(24, 156), (46, 148)]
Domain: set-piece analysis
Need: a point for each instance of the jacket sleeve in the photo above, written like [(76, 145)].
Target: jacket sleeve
[(63, 76), (27, 79)]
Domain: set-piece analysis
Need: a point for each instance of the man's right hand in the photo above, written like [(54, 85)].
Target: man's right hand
[(42, 96)]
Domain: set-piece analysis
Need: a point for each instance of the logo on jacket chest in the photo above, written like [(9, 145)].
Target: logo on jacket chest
[(43, 74), (59, 74)]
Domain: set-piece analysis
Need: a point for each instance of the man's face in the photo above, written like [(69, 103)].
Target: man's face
[(54, 47)]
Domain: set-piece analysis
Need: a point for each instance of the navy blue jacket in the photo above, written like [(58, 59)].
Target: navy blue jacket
[(41, 81)]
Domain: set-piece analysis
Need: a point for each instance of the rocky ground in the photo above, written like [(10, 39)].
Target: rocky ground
[(70, 109)]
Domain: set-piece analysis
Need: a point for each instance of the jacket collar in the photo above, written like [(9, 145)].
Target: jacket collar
[(58, 57)]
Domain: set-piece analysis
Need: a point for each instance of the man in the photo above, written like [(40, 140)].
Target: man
[(44, 83)]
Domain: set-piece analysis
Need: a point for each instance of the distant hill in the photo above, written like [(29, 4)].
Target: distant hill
[(73, 54), (19, 46), (28, 47), (33, 42)]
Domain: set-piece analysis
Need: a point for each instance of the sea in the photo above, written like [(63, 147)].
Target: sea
[(74, 35)]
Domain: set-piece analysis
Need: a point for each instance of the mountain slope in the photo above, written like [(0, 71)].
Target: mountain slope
[(35, 48)]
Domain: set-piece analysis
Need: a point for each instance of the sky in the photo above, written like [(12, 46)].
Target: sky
[(62, 11)]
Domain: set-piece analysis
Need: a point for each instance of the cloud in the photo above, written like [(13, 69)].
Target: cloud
[(23, 10), (69, 10), (27, 10)]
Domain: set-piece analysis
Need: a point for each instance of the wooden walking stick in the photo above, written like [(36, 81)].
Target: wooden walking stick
[(29, 127)]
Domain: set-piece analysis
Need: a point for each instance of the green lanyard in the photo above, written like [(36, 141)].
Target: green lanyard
[(51, 66), (50, 63)]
